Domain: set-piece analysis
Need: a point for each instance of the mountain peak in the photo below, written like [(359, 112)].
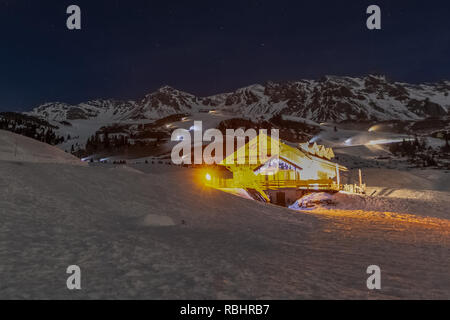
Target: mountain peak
[(166, 89)]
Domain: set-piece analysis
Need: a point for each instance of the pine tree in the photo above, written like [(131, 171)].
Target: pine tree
[(106, 140)]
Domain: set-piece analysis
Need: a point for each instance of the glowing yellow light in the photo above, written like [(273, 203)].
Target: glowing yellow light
[(308, 167)]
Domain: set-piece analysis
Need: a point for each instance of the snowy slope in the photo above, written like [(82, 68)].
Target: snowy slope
[(153, 232), (14, 147)]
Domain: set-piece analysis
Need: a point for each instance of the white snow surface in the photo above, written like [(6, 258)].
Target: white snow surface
[(155, 233), (14, 147)]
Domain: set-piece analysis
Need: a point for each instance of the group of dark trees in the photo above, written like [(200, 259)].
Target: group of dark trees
[(446, 147), (30, 127), (121, 139), (416, 151), (110, 144), (289, 130), (408, 147), (104, 142)]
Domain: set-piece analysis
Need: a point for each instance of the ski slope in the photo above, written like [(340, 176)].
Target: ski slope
[(14, 147), (154, 232)]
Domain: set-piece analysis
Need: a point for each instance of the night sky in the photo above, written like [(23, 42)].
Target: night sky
[(126, 49)]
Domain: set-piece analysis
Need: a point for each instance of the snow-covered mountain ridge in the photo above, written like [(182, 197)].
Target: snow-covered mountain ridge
[(331, 99)]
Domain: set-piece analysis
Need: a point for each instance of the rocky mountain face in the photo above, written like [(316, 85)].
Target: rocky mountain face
[(164, 102), (336, 99), (330, 99), (95, 109)]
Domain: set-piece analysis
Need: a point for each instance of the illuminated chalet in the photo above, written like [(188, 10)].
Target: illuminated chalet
[(282, 174)]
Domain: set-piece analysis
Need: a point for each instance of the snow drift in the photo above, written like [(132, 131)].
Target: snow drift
[(14, 147), (425, 207)]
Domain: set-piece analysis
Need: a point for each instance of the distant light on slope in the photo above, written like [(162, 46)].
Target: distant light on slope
[(208, 177), (381, 127), (386, 141), (348, 142), (374, 128)]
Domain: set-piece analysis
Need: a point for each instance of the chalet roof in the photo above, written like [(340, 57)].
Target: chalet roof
[(317, 150), (312, 152)]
